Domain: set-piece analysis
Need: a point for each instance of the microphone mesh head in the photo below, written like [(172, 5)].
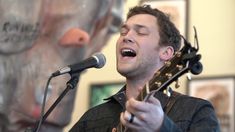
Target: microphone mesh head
[(101, 60)]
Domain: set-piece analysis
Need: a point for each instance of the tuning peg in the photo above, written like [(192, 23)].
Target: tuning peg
[(167, 63), (178, 54), (168, 75), (157, 73), (180, 67), (158, 84), (189, 76), (177, 83), (167, 91)]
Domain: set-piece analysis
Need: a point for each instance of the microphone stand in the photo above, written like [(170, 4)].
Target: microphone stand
[(71, 84)]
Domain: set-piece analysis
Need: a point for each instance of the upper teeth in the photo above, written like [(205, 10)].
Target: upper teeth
[(127, 50)]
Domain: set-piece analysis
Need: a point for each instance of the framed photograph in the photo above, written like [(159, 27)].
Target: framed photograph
[(101, 91), (220, 92), (177, 10)]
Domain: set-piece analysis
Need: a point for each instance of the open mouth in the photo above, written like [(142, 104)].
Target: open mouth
[(128, 53)]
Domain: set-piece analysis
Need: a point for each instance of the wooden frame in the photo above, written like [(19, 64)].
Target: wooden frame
[(220, 92), (176, 9), (100, 91)]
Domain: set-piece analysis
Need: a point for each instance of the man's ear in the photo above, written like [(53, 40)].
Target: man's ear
[(166, 53)]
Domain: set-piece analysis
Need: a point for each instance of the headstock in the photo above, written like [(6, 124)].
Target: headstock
[(184, 61)]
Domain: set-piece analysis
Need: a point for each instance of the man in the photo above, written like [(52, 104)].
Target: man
[(38, 37), (147, 40)]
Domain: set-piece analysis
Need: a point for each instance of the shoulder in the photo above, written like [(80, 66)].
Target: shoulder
[(106, 109), (191, 113), (187, 106), (107, 114), (186, 100)]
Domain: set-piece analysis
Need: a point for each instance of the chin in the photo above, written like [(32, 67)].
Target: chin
[(126, 72)]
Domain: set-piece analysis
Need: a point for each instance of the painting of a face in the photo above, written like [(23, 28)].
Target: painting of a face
[(37, 37)]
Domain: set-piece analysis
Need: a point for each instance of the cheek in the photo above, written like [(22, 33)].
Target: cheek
[(149, 47), (150, 52), (118, 42)]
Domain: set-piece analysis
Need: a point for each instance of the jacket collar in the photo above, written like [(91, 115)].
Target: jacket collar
[(120, 97)]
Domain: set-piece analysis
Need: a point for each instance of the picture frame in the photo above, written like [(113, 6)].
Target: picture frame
[(219, 91), (101, 91), (177, 10)]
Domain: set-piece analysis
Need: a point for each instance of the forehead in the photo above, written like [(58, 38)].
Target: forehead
[(145, 20)]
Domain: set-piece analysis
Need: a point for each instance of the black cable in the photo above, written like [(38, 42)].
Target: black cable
[(71, 84), (38, 125)]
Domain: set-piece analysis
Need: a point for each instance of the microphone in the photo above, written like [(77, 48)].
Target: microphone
[(98, 60)]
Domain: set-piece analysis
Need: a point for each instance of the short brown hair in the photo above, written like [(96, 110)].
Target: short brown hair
[(169, 34)]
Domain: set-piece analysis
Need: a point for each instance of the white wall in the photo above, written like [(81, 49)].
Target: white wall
[(215, 23)]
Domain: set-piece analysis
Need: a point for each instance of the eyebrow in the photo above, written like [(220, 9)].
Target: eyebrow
[(136, 26), (124, 25)]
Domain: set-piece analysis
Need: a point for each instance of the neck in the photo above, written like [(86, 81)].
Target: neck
[(135, 86)]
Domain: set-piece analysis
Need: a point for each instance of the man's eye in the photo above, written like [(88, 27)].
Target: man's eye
[(142, 33), (123, 31)]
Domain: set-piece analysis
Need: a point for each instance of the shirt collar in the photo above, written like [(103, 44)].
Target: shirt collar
[(120, 97)]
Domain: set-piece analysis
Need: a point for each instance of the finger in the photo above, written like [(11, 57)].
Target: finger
[(127, 116), (139, 109), (125, 120), (133, 106), (153, 100), (131, 118)]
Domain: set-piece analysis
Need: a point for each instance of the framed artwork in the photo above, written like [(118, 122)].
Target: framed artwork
[(177, 10), (220, 92), (101, 91)]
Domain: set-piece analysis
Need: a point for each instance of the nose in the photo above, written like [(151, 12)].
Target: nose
[(128, 38), (75, 37)]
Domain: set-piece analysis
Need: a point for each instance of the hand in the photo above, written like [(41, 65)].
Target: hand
[(148, 116)]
